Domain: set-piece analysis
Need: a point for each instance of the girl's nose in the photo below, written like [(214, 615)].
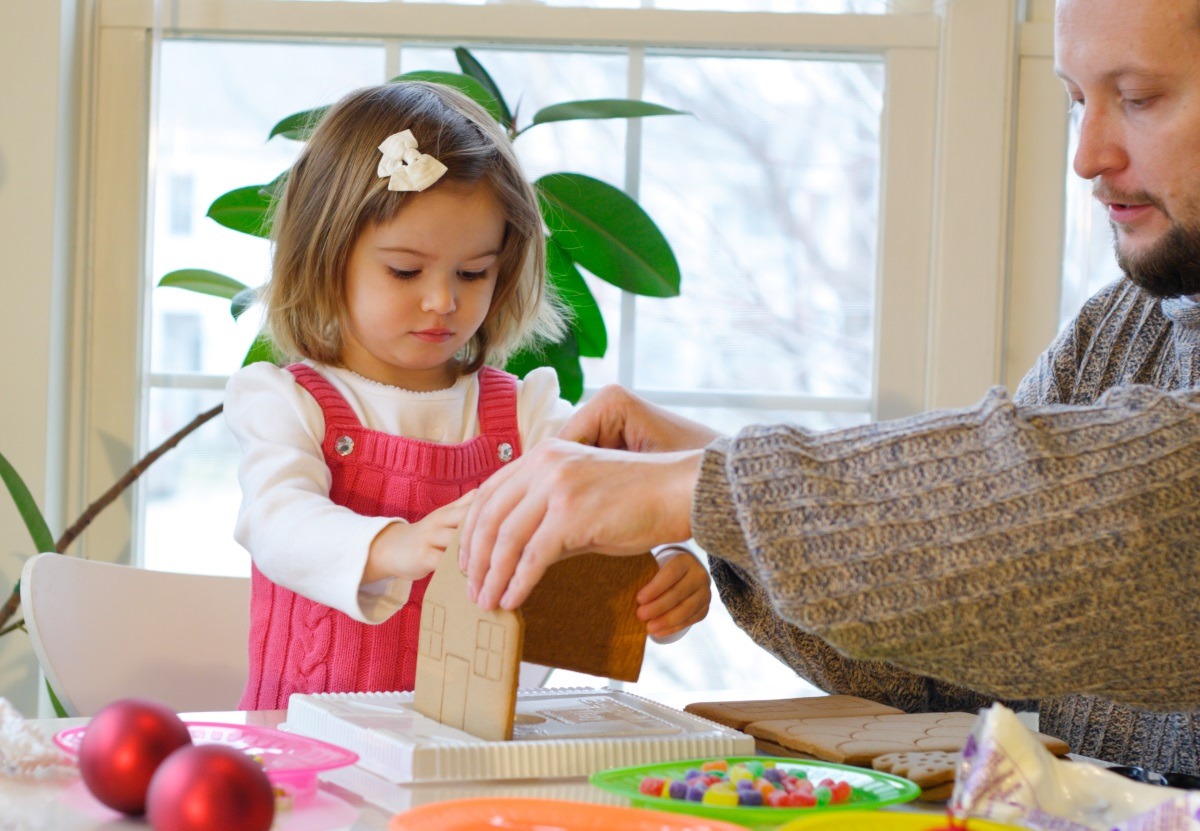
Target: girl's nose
[(1100, 149), (439, 297)]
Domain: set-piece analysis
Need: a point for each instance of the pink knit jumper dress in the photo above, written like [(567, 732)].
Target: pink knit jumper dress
[(297, 645)]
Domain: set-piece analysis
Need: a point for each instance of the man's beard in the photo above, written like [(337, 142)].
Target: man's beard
[(1171, 268)]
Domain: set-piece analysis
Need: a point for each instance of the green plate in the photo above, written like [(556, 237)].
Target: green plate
[(869, 789)]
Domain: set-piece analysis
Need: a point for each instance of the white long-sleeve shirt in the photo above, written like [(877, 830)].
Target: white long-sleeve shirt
[(300, 539)]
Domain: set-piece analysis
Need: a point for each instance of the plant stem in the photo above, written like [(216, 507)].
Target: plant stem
[(131, 475), (107, 498), (10, 607)]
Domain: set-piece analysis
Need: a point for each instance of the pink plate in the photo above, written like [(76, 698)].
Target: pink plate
[(291, 762)]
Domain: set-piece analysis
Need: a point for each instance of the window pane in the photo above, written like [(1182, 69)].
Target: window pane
[(770, 196), (730, 421), (810, 6), (212, 137), (818, 6), (190, 495), (774, 228), (217, 105), (714, 655), (1089, 262), (531, 80)]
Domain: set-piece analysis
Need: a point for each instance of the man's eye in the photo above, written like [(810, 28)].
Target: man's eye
[(1075, 110)]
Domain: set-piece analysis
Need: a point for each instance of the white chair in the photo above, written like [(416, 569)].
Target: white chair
[(103, 631)]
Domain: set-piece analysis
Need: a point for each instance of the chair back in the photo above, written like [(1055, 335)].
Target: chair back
[(103, 631)]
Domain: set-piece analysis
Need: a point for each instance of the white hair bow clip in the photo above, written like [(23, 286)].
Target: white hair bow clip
[(408, 168)]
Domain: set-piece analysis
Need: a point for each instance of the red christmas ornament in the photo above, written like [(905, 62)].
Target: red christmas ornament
[(210, 787), (122, 747)]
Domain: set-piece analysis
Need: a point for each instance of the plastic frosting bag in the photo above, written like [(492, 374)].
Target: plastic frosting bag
[(25, 752), (1007, 776)]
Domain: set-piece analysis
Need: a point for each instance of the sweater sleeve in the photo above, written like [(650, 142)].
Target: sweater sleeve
[(296, 536), (749, 606), (1024, 552)]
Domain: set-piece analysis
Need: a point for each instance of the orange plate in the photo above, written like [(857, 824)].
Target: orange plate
[(519, 814)]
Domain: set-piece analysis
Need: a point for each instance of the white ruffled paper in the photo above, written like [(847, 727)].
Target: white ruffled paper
[(1006, 775), (24, 751)]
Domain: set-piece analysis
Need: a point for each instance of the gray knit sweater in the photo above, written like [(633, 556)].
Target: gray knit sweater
[(1024, 549)]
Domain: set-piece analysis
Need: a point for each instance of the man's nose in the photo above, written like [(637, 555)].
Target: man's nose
[(1100, 147)]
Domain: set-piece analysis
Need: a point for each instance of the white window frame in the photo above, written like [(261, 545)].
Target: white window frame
[(962, 164), (974, 145), (1039, 200)]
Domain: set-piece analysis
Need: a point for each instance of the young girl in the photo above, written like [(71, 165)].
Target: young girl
[(408, 256)]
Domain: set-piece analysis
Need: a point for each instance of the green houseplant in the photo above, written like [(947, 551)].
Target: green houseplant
[(590, 225)]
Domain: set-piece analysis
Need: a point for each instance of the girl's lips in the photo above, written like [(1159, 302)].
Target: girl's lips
[(433, 335)]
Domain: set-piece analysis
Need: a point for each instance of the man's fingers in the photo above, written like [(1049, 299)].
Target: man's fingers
[(545, 547), (580, 427), (528, 573), (480, 528), (508, 550), (480, 503)]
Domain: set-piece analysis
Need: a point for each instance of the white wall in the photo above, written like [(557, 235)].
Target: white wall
[(38, 57)]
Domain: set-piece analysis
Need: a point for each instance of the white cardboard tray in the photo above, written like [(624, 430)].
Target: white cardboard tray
[(558, 733)]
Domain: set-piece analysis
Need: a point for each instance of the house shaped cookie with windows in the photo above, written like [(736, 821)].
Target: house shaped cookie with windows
[(581, 617)]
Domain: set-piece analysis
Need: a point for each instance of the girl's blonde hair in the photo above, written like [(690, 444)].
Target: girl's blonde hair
[(333, 194)]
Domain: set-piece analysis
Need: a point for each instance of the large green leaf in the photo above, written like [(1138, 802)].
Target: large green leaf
[(563, 356), (463, 83), (586, 319), (275, 188), (601, 108), (241, 301), (244, 209), (298, 126), (263, 349), (470, 66), (203, 282), (608, 233), (35, 523)]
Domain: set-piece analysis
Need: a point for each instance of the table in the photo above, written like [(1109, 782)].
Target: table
[(349, 799)]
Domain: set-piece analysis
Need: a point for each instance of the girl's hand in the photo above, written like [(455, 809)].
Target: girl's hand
[(411, 550), (677, 597)]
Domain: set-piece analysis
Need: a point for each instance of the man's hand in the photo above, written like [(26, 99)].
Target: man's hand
[(563, 498), (618, 419)]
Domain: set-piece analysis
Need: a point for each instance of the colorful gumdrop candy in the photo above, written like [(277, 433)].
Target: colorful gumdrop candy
[(750, 784), (651, 786)]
